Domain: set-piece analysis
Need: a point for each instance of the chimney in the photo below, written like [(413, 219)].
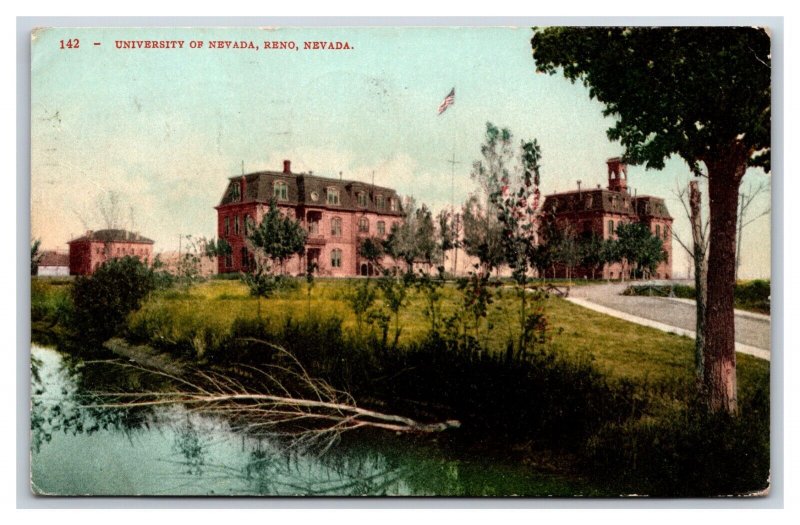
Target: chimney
[(287, 166)]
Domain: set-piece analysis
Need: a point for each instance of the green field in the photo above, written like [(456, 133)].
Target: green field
[(617, 348)]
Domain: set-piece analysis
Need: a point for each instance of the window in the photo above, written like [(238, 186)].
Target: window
[(363, 225), (235, 192), (313, 227), (236, 224), (248, 225), (658, 231), (362, 199), (336, 258), (280, 190), (227, 225), (611, 227), (333, 196), (336, 227), (666, 234), (244, 257), (228, 261), (380, 202), (393, 204), (381, 228)]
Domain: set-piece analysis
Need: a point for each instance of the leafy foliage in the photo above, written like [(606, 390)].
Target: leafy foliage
[(36, 256), (673, 90), (372, 249), (414, 239), (103, 300), (361, 298), (639, 247), (278, 237), (594, 252), (482, 234), (448, 231), (394, 292)]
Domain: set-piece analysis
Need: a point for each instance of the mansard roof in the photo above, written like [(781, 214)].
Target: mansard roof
[(606, 201), (301, 187)]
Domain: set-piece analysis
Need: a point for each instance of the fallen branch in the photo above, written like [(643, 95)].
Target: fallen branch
[(285, 401)]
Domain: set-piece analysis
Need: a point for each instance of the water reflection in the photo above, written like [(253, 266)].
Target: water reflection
[(78, 448)]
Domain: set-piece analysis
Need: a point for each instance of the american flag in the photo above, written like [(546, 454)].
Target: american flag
[(448, 101)]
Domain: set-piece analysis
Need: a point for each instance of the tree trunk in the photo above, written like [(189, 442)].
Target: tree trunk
[(725, 173), (700, 267)]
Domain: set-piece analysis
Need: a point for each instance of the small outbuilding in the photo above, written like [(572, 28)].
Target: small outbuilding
[(53, 264)]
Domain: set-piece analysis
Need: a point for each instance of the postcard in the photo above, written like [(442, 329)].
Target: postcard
[(400, 261)]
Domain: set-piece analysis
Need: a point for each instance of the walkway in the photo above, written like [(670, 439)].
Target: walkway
[(670, 315)]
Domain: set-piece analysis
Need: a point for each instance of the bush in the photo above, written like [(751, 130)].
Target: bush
[(753, 295), (507, 397), (686, 451), (103, 300), (50, 301)]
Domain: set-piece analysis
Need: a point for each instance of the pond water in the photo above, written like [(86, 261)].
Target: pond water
[(80, 450)]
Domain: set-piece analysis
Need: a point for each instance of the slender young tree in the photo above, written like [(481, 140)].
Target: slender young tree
[(447, 234), (36, 256), (513, 182), (276, 238), (592, 253), (427, 248), (702, 93), (482, 235)]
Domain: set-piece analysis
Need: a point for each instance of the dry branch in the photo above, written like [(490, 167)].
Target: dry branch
[(281, 399)]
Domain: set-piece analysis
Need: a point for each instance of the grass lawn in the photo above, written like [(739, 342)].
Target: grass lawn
[(618, 348)]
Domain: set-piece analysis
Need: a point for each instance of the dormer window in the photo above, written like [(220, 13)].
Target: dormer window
[(380, 202), (333, 196), (362, 199), (393, 204), (280, 190), (235, 191)]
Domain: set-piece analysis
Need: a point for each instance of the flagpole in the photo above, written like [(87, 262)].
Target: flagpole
[(449, 100)]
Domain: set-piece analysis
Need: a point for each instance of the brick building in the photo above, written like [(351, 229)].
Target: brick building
[(88, 252), (599, 212), (336, 214)]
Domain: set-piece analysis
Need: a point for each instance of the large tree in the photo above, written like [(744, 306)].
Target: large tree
[(702, 93)]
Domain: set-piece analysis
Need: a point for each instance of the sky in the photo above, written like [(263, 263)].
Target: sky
[(165, 128)]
